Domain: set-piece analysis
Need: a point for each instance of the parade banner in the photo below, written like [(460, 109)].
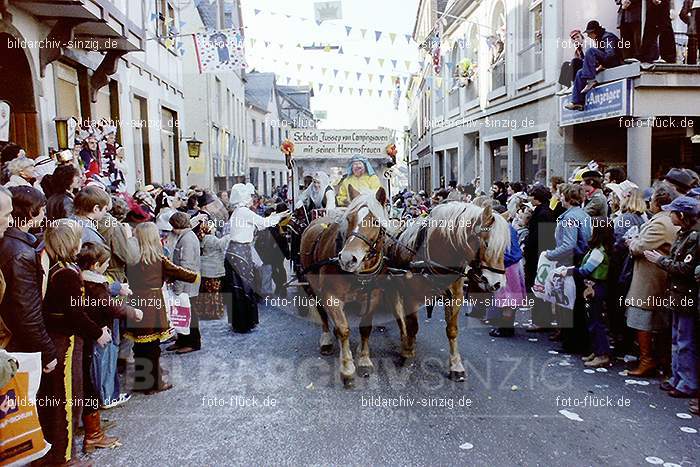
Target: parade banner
[(21, 438), (219, 51), (330, 144), (553, 287)]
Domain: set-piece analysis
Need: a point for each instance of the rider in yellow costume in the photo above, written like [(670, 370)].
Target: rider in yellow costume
[(361, 176)]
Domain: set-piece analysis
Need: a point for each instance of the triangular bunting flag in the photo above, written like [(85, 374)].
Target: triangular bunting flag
[(267, 44), (381, 79), (377, 35), (330, 88), (298, 82), (367, 59), (438, 82), (369, 91), (281, 45), (359, 75), (369, 77), (347, 73), (408, 38), (320, 86), (363, 31), (450, 66), (380, 93), (360, 91), (392, 36), (299, 67), (393, 64), (404, 80), (391, 93), (289, 80), (381, 62), (323, 71), (318, 23), (252, 42), (257, 12), (340, 50), (341, 89), (408, 64), (335, 73), (311, 67), (348, 29)]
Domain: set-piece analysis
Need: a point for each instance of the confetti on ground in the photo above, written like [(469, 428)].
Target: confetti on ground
[(654, 460), (553, 352), (533, 339), (601, 370), (671, 464), (589, 371), (652, 406), (466, 446), (630, 358), (687, 429), (310, 386), (637, 381), (622, 373), (564, 364), (571, 415), (601, 386), (684, 415), (514, 388)]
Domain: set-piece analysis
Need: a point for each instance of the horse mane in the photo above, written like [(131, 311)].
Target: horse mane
[(367, 199), (451, 220)]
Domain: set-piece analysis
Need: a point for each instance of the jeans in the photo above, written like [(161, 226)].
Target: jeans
[(592, 58), (597, 329), (684, 353)]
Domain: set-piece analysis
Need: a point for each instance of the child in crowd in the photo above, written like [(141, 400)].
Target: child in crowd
[(592, 275), (146, 280), (103, 309)]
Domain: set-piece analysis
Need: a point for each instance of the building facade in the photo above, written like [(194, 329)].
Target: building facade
[(215, 105), (495, 98), (273, 112), (93, 60)]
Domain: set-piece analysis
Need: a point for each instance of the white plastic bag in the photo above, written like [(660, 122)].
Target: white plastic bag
[(553, 287)]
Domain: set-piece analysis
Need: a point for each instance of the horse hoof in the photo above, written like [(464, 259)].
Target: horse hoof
[(365, 371), (457, 376), (348, 381), (327, 350), (404, 361)]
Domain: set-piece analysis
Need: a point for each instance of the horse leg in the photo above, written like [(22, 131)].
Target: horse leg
[(364, 363), (407, 319), (326, 341), (342, 332), (457, 372)]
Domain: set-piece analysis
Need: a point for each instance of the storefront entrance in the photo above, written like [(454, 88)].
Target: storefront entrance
[(17, 88)]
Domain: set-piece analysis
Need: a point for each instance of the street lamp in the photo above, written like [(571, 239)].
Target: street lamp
[(61, 132), (193, 146)]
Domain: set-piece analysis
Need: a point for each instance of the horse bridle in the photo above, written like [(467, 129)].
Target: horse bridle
[(373, 250)]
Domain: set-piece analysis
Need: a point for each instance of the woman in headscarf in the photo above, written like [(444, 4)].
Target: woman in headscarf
[(361, 176), (320, 194), (239, 281)]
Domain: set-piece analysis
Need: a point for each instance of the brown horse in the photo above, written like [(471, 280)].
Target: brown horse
[(343, 254), (437, 250)]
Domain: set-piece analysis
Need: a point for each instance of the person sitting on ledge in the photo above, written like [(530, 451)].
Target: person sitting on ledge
[(606, 54)]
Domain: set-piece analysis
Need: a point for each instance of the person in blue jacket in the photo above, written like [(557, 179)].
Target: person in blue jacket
[(605, 54)]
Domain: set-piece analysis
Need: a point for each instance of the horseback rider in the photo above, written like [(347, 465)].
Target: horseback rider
[(361, 176)]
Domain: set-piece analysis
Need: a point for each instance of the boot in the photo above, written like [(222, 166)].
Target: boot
[(647, 365), (95, 438)]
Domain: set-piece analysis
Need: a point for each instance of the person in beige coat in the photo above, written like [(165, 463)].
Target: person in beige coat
[(646, 312)]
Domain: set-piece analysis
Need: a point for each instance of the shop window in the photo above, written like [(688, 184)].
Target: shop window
[(255, 131), (454, 167), (533, 158), (169, 146), (142, 155), (499, 167)]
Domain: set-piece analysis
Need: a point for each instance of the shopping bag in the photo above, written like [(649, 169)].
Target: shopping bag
[(21, 438), (180, 312), (553, 287)]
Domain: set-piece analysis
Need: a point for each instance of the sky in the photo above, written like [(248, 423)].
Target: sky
[(343, 111)]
